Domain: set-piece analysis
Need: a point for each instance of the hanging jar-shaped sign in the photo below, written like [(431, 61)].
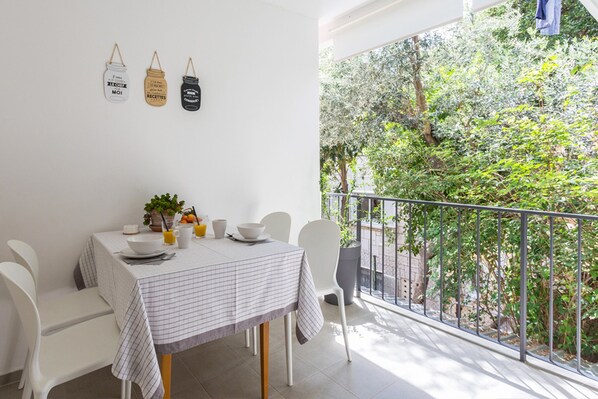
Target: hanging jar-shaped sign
[(155, 85), (116, 79), (190, 90)]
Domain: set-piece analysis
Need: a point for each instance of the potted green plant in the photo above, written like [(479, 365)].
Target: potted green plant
[(163, 205), (349, 258)]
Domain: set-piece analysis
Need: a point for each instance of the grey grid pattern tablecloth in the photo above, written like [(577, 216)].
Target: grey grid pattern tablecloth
[(210, 290), (85, 272)]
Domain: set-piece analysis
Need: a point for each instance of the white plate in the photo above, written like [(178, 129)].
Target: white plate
[(262, 237), (129, 253)]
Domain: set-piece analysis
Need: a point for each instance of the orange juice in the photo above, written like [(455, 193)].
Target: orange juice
[(169, 237), (200, 230)]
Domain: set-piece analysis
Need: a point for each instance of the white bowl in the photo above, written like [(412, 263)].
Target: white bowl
[(251, 230), (145, 244)]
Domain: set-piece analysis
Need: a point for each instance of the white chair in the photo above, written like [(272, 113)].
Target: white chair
[(321, 241), (65, 310), (278, 225), (66, 354)]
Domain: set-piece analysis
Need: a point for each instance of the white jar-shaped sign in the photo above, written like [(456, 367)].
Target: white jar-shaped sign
[(116, 83)]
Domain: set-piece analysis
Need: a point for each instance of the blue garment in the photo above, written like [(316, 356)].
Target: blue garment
[(551, 24), (541, 10)]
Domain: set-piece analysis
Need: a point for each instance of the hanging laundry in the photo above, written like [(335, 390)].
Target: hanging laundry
[(551, 23), (541, 9)]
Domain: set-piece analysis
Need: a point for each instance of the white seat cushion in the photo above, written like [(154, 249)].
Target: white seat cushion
[(71, 308)]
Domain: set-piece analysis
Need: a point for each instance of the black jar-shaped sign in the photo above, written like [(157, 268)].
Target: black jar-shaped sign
[(190, 93)]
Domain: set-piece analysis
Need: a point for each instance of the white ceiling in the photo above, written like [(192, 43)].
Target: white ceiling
[(368, 24), (323, 10)]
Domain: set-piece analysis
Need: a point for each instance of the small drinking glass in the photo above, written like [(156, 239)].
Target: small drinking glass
[(168, 234), (202, 226)]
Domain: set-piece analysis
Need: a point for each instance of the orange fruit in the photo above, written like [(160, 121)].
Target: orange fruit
[(190, 218)]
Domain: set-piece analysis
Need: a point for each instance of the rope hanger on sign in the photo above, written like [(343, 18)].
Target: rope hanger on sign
[(155, 57), (190, 62), (115, 48)]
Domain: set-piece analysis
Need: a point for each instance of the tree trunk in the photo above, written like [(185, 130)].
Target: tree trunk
[(343, 171), (420, 97)]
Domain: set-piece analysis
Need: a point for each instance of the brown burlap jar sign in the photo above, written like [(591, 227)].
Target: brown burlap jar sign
[(155, 85)]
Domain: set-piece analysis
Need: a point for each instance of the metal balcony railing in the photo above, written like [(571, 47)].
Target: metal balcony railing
[(525, 279)]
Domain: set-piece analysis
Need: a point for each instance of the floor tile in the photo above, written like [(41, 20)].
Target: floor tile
[(318, 386), (10, 391), (278, 369), (393, 357), (244, 383), (213, 361), (99, 384), (361, 377), (404, 390)]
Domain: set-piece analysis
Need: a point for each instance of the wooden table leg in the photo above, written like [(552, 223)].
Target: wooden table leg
[(264, 351), (165, 369)]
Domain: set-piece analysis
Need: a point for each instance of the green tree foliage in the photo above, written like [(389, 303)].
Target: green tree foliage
[(514, 116), (359, 96), (517, 123), (341, 139)]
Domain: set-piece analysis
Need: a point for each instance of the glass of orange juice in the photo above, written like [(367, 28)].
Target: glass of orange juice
[(168, 234), (169, 237), (200, 229), (201, 226)]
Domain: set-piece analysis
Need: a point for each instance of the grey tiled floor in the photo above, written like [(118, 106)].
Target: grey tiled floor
[(393, 357)]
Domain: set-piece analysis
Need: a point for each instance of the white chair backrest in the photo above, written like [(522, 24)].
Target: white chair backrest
[(21, 286), (321, 241), (278, 225), (25, 255)]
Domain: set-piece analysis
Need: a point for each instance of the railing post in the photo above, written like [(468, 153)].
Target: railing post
[(578, 300), (551, 293), (358, 237), (374, 276), (441, 266), (425, 279), (370, 203), (396, 295), (477, 279), (499, 272), (523, 290), (459, 268), (383, 223), (410, 249)]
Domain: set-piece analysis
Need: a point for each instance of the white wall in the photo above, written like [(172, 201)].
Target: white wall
[(72, 163)]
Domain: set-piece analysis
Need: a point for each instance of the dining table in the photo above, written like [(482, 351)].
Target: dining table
[(212, 289)]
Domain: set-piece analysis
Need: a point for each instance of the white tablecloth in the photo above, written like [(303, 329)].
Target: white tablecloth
[(210, 290)]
